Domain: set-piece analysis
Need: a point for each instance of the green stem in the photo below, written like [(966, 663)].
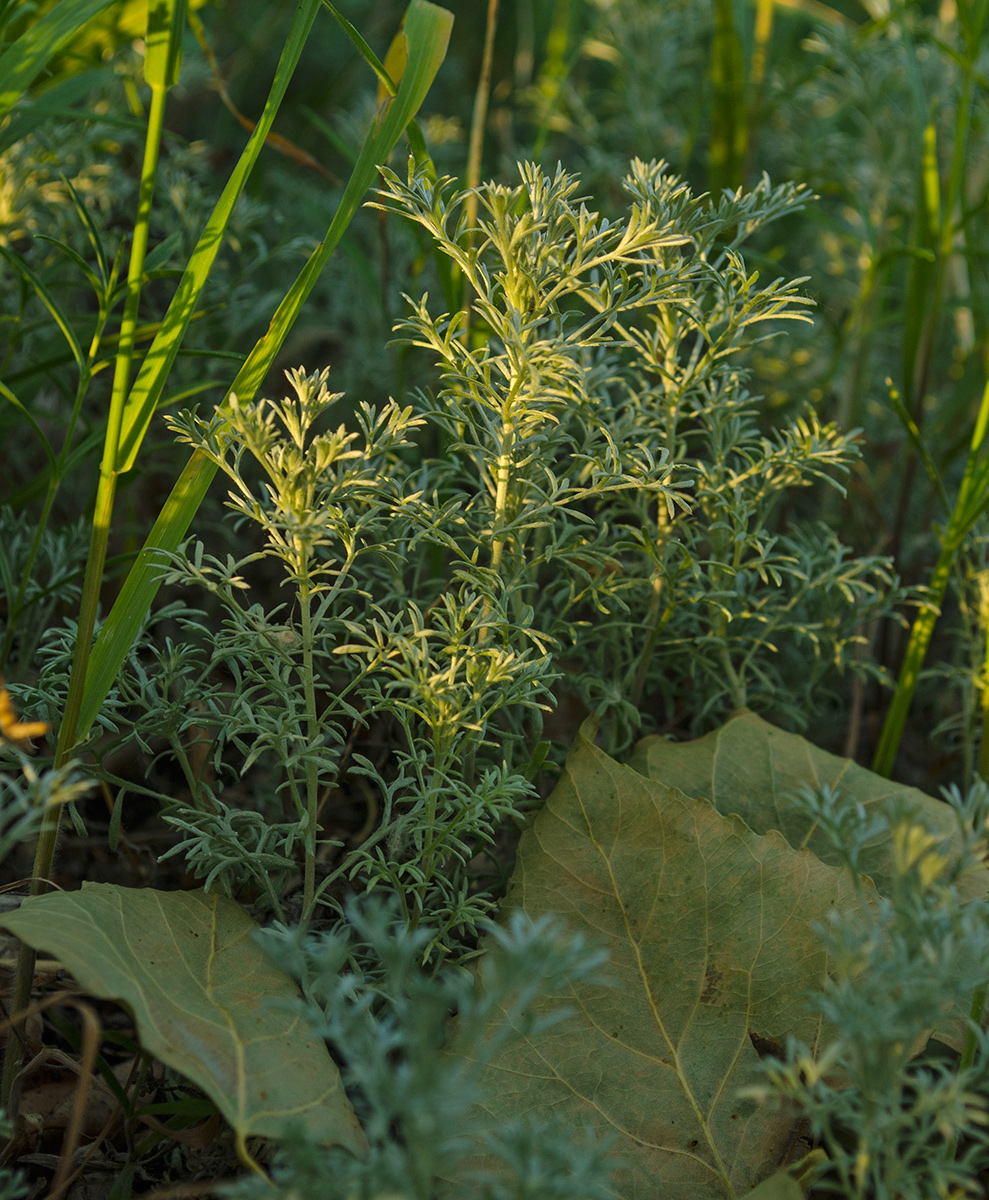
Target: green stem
[(476, 147), (971, 1039), (968, 1050), (973, 497), (729, 120), (983, 767), (312, 720), (739, 696), (429, 852), (479, 118), (109, 467), (501, 505), (913, 661), (656, 619), (99, 538)]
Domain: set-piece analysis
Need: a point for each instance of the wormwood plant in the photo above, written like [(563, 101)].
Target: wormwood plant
[(340, 518), (25, 797), (389, 1021), (584, 504), (607, 359), (585, 493), (895, 1125)]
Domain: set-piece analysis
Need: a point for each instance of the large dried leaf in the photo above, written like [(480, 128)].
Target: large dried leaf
[(201, 990), (710, 930), (751, 768)]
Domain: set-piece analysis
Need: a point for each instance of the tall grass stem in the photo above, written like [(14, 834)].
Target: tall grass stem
[(972, 501)]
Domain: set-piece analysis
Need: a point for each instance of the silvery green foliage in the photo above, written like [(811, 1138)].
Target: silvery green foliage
[(40, 572), (586, 493), (621, 481), (24, 797), (413, 1078), (889, 1116), (338, 513), (13, 1184)]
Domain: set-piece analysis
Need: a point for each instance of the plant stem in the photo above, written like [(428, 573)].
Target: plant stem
[(476, 147), (93, 580), (480, 115), (973, 497), (501, 500), (106, 489), (729, 121), (968, 1050), (657, 617), (913, 661), (983, 767), (312, 720)]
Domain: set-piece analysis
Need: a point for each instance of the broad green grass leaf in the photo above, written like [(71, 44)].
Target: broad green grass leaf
[(751, 768), (22, 62), (710, 929), (57, 101), (163, 44), (201, 991), (151, 379), (427, 33)]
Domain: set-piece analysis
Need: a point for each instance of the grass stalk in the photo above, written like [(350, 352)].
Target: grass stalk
[(765, 11), (479, 117), (103, 511), (729, 119), (555, 70), (936, 225), (427, 29), (109, 467), (937, 222), (972, 501), (479, 120)]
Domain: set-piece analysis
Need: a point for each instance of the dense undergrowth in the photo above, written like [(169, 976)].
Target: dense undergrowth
[(514, 776)]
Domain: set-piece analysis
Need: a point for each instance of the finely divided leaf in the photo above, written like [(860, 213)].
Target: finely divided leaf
[(201, 990)]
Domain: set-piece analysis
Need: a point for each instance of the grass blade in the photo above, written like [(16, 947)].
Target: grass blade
[(57, 100), (151, 378), (366, 52), (49, 301), (972, 502), (729, 121), (22, 62)]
